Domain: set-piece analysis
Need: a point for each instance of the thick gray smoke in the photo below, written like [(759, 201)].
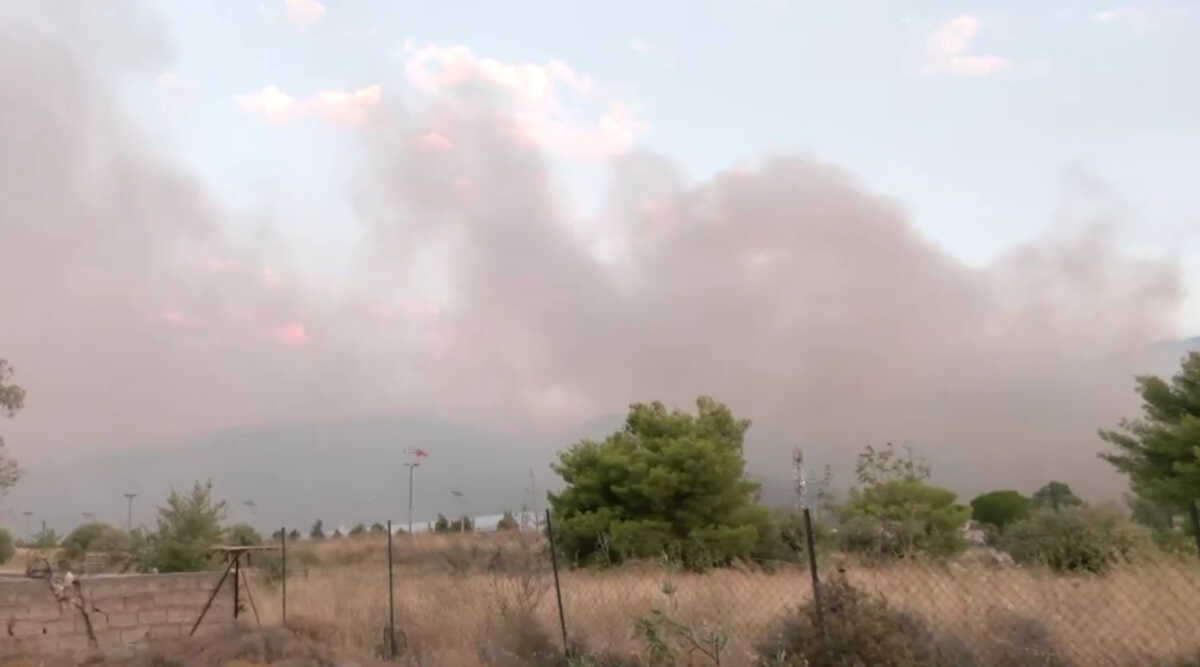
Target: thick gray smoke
[(787, 289)]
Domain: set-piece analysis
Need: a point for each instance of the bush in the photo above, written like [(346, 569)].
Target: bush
[(903, 517), (358, 530), (188, 527), (7, 550), (1075, 539), (507, 522), (1000, 508), (242, 535), (861, 630), (865, 630), (93, 536)]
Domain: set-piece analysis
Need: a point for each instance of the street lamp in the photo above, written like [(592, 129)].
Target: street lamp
[(411, 466), (129, 516)]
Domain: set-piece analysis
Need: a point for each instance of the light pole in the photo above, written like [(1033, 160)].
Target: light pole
[(462, 513), (28, 516), (129, 516), (411, 466)]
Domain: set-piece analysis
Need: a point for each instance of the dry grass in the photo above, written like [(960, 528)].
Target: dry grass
[(450, 590)]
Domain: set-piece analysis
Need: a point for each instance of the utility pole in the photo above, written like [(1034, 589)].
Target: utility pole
[(129, 516), (411, 466)]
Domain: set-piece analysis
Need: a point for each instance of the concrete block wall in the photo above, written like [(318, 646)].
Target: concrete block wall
[(126, 612)]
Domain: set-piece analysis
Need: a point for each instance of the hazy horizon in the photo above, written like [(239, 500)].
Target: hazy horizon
[(955, 233)]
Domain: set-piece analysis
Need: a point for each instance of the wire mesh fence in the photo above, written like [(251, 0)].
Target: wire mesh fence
[(493, 599)]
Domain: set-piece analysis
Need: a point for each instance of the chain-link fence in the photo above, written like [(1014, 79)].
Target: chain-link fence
[(491, 599)]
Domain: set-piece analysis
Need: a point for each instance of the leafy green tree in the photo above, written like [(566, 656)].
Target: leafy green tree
[(462, 525), (318, 531), (378, 528), (1160, 453), (189, 525), (1000, 508), (294, 535), (243, 535), (358, 530), (507, 522), (667, 482), (12, 399), (93, 536), (904, 516), (1056, 496), (7, 550)]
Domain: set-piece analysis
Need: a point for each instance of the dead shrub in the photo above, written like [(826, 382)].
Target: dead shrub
[(863, 630)]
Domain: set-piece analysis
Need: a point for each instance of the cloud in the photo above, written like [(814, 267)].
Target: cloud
[(271, 103), (1106, 16), (554, 106), (639, 45), (337, 106), (304, 13), (947, 51)]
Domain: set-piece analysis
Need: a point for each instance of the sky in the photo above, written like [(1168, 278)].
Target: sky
[(958, 226)]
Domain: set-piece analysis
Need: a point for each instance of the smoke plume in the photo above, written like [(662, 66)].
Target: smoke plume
[(786, 288)]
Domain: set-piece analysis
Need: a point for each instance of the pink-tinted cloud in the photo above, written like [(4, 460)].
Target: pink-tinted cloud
[(290, 334), (304, 13), (432, 141), (550, 104), (271, 104), (947, 51), (341, 107)]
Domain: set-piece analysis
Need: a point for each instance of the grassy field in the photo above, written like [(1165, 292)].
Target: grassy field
[(461, 599)]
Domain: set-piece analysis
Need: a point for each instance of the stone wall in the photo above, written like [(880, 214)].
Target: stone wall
[(126, 612)]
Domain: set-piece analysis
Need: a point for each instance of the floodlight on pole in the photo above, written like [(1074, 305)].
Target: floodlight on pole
[(417, 453)]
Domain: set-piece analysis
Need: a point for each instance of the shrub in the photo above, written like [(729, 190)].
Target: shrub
[(93, 536), (905, 516), (865, 630), (860, 630), (507, 522), (242, 535), (358, 530), (7, 550), (1000, 508), (1075, 539), (188, 527), (378, 528)]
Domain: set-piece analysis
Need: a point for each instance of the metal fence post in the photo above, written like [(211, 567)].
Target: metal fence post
[(1195, 512), (283, 569), (562, 619), (391, 633), (798, 473)]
